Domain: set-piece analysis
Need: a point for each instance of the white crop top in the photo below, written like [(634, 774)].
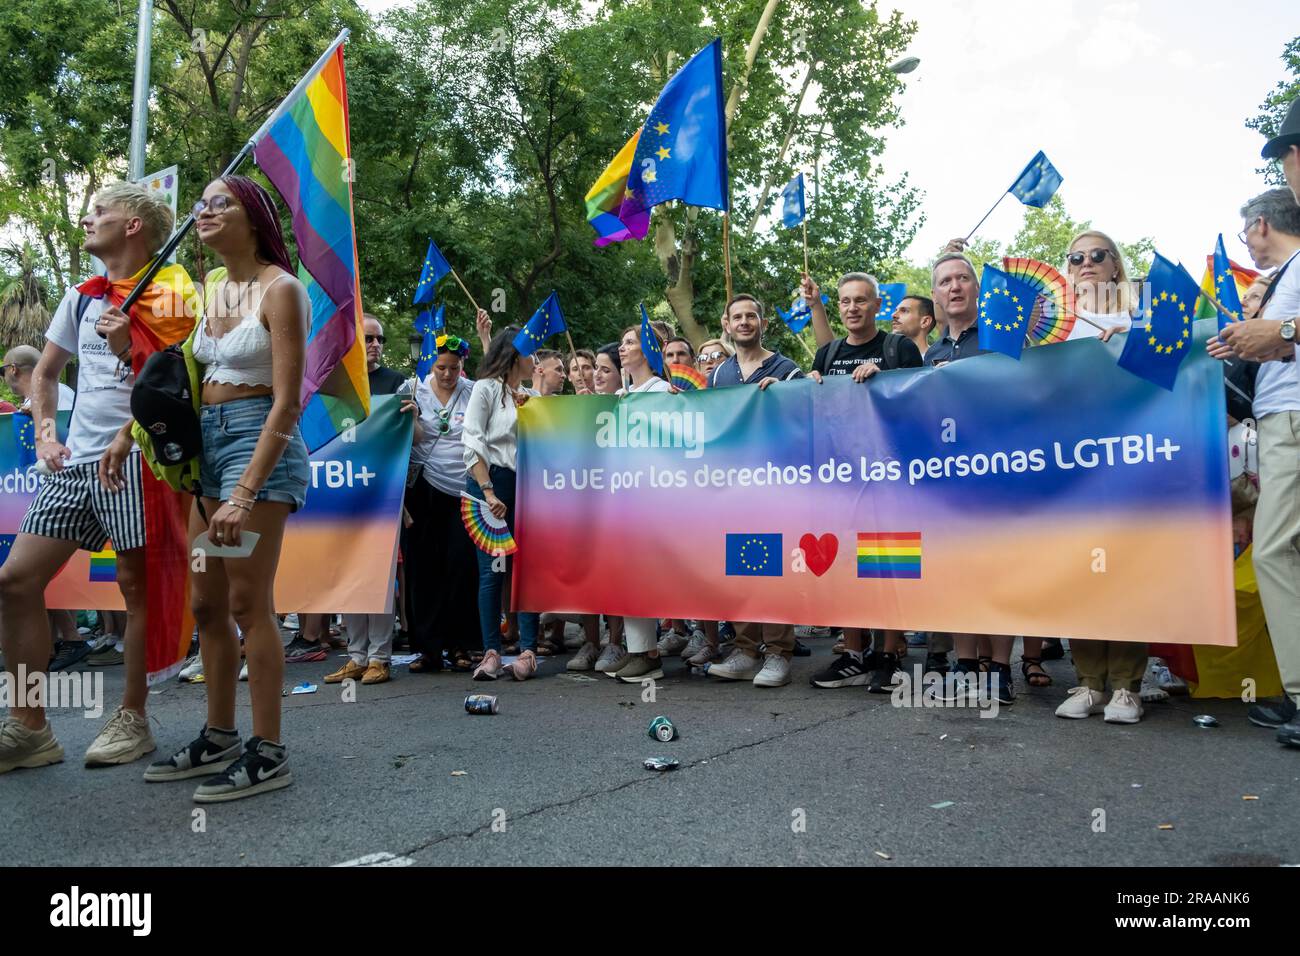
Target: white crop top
[(241, 356)]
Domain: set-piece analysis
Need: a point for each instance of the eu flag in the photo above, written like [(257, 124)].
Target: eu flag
[(797, 319), (793, 209), (1154, 353), (650, 344), (682, 153), (1038, 183), (548, 320), (754, 556), (435, 267), (24, 440), (891, 293), (1006, 307), (428, 355), (1225, 285)]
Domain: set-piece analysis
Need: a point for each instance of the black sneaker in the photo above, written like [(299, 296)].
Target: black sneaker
[(1053, 649), (1001, 683), (844, 671), (202, 757), (1272, 713), (882, 676), (1289, 734), (936, 663), (68, 653), (302, 651), (801, 649), (959, 683), (261, 767)]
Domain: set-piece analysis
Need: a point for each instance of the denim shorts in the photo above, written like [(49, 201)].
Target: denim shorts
[(230, 433)]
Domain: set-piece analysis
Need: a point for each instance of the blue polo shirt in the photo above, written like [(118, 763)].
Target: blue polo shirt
[(948, 349), (777, 366)]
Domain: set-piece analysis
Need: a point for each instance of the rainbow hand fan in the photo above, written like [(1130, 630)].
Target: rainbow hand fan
[(687, 379), (1053, 315), (489, 533)]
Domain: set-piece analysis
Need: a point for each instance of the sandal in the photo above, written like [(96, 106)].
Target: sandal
[(510, 650), (1040, 678), (425, 664), (986, 664), (461, 662), (548, 649)]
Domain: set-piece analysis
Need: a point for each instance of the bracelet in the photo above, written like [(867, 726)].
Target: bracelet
[(248, 501), (232, 502), (240, 484), (487, 486), (267, 428)]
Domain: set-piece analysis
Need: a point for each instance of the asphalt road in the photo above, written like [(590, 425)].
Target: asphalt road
[(793, 775)]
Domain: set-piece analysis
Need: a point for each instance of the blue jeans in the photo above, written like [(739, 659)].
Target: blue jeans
[(490, 581)]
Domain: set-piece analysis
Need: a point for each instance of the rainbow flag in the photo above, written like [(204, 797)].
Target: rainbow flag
[(1240, 274), (889, 554), (605, 201), (305, 153), (103, 566)]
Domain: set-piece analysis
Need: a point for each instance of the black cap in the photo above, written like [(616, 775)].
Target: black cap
[(1287, 136), (163, 404)]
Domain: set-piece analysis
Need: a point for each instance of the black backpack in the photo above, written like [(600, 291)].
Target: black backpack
[(889, 353)]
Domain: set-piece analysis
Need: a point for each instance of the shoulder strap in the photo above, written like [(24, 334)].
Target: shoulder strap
[(83, 303), (893, 343), (833, 351)]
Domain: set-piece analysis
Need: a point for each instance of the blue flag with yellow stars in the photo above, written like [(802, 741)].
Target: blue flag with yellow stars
[(891, 293), (1156, 352), (1038, 183), (682, 153), (24, 440), (755, 556), (800, 314), (793, 209), (1225, 286), (428, 355), (1006, 307), (650, 344), (548, 320), (435, 267)]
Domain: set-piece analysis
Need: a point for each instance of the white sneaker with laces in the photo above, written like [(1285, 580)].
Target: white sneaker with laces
[(739, 666), (1081, 703), (125, 738), (671, 644), (693, 645), (775, 672), (611, 658), (1124, 708), (193, 668), (584, 660)]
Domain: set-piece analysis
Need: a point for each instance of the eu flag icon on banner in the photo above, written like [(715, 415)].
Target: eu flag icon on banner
[(1225, 285), (548, 320), (754, 556), (24, 440), (650, 344), (793, 209), (891, 293), (1154, 353), (1006, 305), (682, 153), (1038, 183), (435, 267)]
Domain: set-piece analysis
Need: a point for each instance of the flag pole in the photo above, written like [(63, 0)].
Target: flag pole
[(176, 237), (726, 250), (456, 276), (1218, 305), (805, 246), (986, 215), (573, 353)]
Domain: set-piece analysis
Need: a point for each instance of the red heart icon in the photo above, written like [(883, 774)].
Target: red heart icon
[(819, 553)]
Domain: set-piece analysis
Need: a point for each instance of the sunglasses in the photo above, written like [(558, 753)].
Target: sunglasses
[(217, 204), (709, 357), (375, 338), (1096, 257)]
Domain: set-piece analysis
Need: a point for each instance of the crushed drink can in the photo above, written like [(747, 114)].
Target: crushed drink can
[(662, 764), (1205, 720), (481, 704), (662, 729)]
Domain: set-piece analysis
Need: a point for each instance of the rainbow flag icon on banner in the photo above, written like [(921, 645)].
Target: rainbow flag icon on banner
[(103, 566), (889, 554)]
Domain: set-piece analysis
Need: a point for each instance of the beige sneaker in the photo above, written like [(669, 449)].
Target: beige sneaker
[(20, 747), (125, 738)]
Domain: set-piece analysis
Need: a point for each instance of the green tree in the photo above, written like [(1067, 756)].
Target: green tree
[(1274, 107)]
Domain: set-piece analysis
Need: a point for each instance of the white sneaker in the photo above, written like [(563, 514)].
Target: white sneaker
[(584, 660), (807, 630), (775, 672), (611, 658), (1151, 691), (739, 666), (193, 668), (1082, 703), (243, 671), (1124, 708), (694, 645), (1167, 680), (291, 623), (126, 737), (671, 644)]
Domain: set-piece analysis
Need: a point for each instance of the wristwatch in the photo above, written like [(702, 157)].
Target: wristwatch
[(1288, 330), (487, 486)]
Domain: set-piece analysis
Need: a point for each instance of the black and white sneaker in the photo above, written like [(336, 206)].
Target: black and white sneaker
[(202, 757), (1001, 683), (844, 671), (884, 677), (261, 767), (1272, 714)]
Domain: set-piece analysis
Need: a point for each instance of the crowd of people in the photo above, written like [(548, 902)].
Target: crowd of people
[(249, 342)]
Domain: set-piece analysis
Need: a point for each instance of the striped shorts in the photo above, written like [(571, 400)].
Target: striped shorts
[(73, 506)]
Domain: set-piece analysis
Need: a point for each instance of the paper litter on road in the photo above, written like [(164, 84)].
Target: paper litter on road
[(942, 806)]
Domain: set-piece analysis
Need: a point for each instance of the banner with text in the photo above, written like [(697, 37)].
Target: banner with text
[(339, 552), (1058, 495)]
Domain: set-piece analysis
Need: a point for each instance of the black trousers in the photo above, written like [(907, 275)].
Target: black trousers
[(441, 573)]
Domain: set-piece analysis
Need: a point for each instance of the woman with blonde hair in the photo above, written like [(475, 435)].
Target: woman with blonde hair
[(1105, 299)]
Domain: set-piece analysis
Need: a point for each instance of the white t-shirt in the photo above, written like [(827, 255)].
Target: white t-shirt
[(441, 456), (655, 384), (1277, 387), (66, 397), (103, 384), (1082, 330)]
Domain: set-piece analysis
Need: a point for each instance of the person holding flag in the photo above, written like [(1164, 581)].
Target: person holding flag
[(86, 498)]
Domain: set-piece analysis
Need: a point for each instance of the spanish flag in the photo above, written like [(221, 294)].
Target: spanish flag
[(163, 315)]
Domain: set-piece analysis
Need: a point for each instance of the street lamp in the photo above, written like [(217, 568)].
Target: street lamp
[(906, 65), (415, 343)]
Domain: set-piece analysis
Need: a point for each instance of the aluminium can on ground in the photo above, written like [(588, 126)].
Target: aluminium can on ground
[(481, 704)]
